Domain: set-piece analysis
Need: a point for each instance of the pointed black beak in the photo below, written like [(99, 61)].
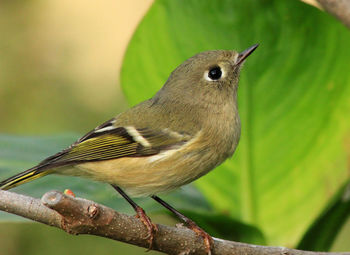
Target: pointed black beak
[(244, 54)]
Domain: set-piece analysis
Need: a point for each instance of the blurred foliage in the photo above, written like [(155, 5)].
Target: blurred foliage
[(48, 72), (294, 101), (224, 227), (322, 233)]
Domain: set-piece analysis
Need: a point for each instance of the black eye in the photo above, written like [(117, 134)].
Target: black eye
[(215, 73)]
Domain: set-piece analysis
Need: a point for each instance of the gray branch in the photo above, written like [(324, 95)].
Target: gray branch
[(80, 216), (338, 8)]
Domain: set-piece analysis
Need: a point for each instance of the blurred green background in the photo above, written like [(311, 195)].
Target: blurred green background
[(60, 61), (60, 68), (59, 73)]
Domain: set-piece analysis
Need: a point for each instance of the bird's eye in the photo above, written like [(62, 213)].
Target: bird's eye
[(215, 73)]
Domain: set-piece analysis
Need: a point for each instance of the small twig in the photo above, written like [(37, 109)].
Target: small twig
[(313, 3), (80, 216), (338, 8)]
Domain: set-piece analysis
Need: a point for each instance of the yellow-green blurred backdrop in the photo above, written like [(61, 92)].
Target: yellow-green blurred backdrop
[(59, 72), (60, 61)]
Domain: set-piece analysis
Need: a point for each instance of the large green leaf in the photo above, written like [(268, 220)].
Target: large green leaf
[(322, 233), (224, 227), (294, 101), (20, 153)]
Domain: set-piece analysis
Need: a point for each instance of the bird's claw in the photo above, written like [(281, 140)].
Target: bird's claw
[(208, 240), (151, 228)]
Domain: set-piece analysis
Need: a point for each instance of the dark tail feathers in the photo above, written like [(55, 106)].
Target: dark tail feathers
[(26, 176)]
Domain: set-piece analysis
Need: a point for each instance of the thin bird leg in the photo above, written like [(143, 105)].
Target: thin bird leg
[(208, 240), (140, 213)]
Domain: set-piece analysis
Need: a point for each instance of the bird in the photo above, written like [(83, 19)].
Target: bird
[(190, 126)]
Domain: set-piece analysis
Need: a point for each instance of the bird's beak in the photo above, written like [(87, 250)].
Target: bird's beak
[(244, 54)]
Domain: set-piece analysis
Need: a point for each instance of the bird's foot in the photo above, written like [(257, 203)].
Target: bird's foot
[(151, 228), (208, 240)]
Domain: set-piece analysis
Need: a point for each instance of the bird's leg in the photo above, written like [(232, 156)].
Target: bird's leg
[(208, 240), (140, 213)]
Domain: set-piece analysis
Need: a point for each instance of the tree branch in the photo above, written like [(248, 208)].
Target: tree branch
[(80, 216), (338, 8)]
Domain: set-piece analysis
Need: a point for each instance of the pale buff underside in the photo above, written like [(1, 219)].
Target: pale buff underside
[(144, 176)]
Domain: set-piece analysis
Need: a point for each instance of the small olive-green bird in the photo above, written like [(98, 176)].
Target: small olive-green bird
[(188, 128)]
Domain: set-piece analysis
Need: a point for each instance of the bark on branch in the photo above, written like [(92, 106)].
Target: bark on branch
[(80, 216), (338, 8)]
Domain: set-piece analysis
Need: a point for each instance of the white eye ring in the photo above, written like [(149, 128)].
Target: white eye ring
[(221, 74)]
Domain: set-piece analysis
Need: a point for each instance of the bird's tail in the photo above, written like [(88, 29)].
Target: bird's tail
[(21, 178)]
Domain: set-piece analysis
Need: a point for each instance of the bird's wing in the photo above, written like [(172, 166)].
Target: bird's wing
[(110, 142)]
